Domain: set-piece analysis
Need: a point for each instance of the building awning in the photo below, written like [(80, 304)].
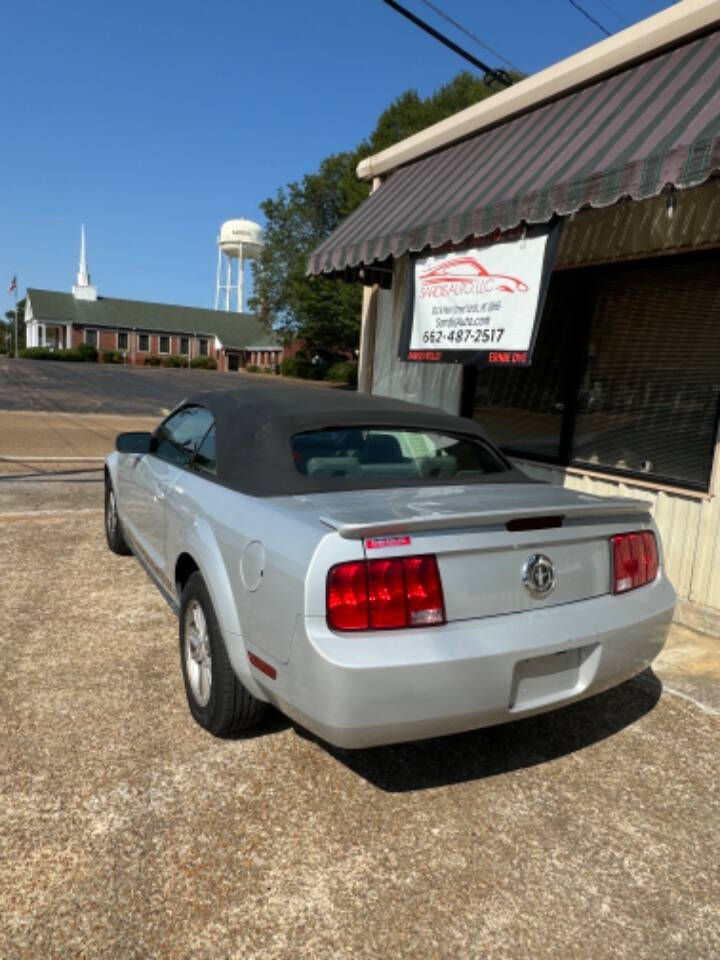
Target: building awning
[(629, 135)]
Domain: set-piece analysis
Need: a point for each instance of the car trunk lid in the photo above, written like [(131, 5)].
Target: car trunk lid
[(488, 539)]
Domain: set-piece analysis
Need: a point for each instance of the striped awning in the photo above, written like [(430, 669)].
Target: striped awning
[(629, 135)]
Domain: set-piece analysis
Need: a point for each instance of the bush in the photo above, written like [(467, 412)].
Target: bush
[(151, 360), (37, 353), (307, 370), (252, 368), (343, 373), (113, 356), (87, 352), (204, 363), (71, 355), (74, 355), (174, 361), (300, 366)]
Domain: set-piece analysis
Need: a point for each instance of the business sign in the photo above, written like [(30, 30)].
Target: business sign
[(480, 305)]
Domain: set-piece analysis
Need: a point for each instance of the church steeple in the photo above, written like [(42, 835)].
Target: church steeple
[(84, 289)]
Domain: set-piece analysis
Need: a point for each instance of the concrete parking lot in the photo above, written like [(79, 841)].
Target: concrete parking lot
[(128, 832)]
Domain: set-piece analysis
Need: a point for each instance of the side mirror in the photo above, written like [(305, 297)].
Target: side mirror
[(134, 442)]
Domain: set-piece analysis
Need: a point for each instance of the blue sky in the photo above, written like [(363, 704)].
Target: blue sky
[(153, 122)]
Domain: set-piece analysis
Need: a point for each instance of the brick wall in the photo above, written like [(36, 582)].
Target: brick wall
[(107, 340)]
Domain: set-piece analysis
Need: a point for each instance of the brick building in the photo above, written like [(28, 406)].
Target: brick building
[(140, 329)]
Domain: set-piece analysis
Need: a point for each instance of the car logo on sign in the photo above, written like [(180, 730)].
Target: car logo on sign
[(538, 575), (466, 270)]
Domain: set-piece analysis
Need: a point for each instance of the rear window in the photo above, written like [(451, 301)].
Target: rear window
[(368, 452)]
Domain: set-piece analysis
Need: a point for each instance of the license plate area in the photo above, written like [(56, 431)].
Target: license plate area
[(541, 680)]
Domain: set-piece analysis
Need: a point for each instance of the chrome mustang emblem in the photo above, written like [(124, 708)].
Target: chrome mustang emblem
[(538, 575)]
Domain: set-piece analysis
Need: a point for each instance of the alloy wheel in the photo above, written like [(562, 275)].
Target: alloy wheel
[(198, 659)]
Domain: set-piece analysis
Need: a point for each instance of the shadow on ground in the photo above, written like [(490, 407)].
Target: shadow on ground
[(502, 749)]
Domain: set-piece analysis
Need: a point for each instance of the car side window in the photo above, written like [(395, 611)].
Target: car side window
[(178, 438), (205, 456)]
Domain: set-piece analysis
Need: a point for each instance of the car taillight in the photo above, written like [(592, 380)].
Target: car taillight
[(385, 594), (635, 560), (347, 596), (423, 591)]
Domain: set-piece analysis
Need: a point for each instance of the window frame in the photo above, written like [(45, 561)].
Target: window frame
[(191, 456), (206, 474), (161, 337), (186, 351), (586, 281), (95, 332), (203, 347), (122, 333), (140, 346)]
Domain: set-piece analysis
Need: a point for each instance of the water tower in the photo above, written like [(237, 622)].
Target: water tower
[(239, 240)]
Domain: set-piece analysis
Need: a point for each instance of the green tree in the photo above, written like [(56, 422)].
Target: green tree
[(7, 334), (299, 216), (324, 312)]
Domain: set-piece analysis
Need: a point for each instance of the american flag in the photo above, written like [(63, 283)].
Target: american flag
[(13, 285)]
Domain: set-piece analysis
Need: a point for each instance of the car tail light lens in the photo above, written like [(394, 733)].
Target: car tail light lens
[(385, 594), (347, 597), (635, 560), (423, 591)]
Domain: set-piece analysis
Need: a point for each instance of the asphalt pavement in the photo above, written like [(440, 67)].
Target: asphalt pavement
[(62, 387), (57, 414)]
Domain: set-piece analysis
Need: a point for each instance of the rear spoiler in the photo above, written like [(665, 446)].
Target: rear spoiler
[(606, 510)]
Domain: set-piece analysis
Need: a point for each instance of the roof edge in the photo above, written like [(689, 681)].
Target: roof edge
[(146, 303), (649, 36)]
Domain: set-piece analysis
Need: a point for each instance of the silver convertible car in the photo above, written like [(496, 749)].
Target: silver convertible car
[(378, 570)]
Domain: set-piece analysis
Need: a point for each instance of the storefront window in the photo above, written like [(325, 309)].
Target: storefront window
[(522, 409), (628, 363), (649, 397)]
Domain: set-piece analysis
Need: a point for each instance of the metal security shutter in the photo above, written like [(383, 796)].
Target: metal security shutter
[(523, 409), (626, 374), (648, 402)]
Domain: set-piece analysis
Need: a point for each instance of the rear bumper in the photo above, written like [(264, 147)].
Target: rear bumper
[(367, 689)]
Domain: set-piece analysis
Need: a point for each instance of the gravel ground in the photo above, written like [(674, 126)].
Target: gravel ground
[(128, 832)]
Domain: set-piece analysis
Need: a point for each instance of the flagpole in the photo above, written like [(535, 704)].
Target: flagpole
[(16, 325)]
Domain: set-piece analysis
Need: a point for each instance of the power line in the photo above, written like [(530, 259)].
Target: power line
[(472, 36), (590, 18), (501, 76), (614, 12)]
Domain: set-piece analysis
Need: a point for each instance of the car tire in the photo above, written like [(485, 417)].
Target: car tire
[(217, 699), (113, 526)]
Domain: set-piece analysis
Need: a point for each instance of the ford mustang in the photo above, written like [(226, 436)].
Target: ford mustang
[(378, 570)]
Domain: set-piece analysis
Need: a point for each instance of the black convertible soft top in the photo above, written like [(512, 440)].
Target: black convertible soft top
[(255, 425)]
